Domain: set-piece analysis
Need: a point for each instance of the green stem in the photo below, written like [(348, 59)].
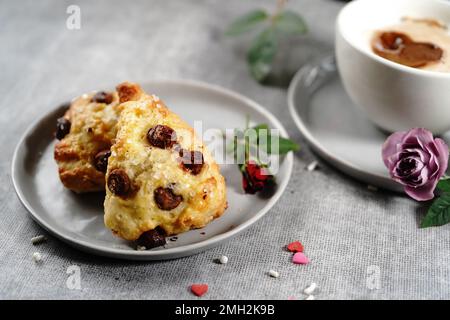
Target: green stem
[(278, 10)]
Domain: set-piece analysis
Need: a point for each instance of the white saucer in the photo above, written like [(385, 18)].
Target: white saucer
[(78, 219), (334, 127)]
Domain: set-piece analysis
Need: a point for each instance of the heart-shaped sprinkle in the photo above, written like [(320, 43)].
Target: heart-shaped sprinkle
[(199, 289), (295, 246), (300, 258)]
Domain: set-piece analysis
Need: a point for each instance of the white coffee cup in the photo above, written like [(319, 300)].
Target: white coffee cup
[(395, 97)]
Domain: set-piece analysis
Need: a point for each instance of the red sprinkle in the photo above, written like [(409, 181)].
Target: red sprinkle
[(295, 246), (199, 289)]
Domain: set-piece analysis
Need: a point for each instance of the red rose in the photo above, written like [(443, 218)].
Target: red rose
[(254, 177)]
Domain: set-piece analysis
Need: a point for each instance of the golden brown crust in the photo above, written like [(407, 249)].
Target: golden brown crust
[(128, 92), (92, 130), (152, 168)]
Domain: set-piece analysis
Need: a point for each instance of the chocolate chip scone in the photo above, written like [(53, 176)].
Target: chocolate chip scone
[(86, 132), (161, 179)]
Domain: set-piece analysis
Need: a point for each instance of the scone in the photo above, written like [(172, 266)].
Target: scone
[(160, 178), (86, 133)]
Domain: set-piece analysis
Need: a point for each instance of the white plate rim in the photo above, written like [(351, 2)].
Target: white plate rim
[(342, 164), (170, 253)]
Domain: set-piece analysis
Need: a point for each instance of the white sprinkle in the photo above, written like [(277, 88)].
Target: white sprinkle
[(38, 239), (309, 290), (312, 166), (223, 259), (155, 97), (141, 248), (310, 297), (37, 257), (274, 274), (372, 188)]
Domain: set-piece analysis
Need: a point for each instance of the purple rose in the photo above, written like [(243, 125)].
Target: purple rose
[(416, 160)]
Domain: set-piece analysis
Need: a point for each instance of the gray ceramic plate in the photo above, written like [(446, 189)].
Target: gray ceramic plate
[(78, 219), (334, 127)]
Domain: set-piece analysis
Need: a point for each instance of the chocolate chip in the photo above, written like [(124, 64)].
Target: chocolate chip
[(152, 238), (191, 161), (161, 136), (62, 128), (101, 160), (165, 198), (103, 97), (119, 182)]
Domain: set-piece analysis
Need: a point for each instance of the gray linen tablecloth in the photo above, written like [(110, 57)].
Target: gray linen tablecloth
[(362, 244)]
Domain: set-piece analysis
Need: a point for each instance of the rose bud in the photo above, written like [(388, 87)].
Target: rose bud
[(254, 177), (416, 160)]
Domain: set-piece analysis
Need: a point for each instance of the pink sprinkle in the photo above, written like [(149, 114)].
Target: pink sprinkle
[(292, 298), (300, 258), (199, 289)]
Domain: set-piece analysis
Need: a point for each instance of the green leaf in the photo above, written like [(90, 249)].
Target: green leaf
[(247, 22), (262, 53), (259, 127), (286, 145), (444, 185), (439, 212), (290, 22)]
